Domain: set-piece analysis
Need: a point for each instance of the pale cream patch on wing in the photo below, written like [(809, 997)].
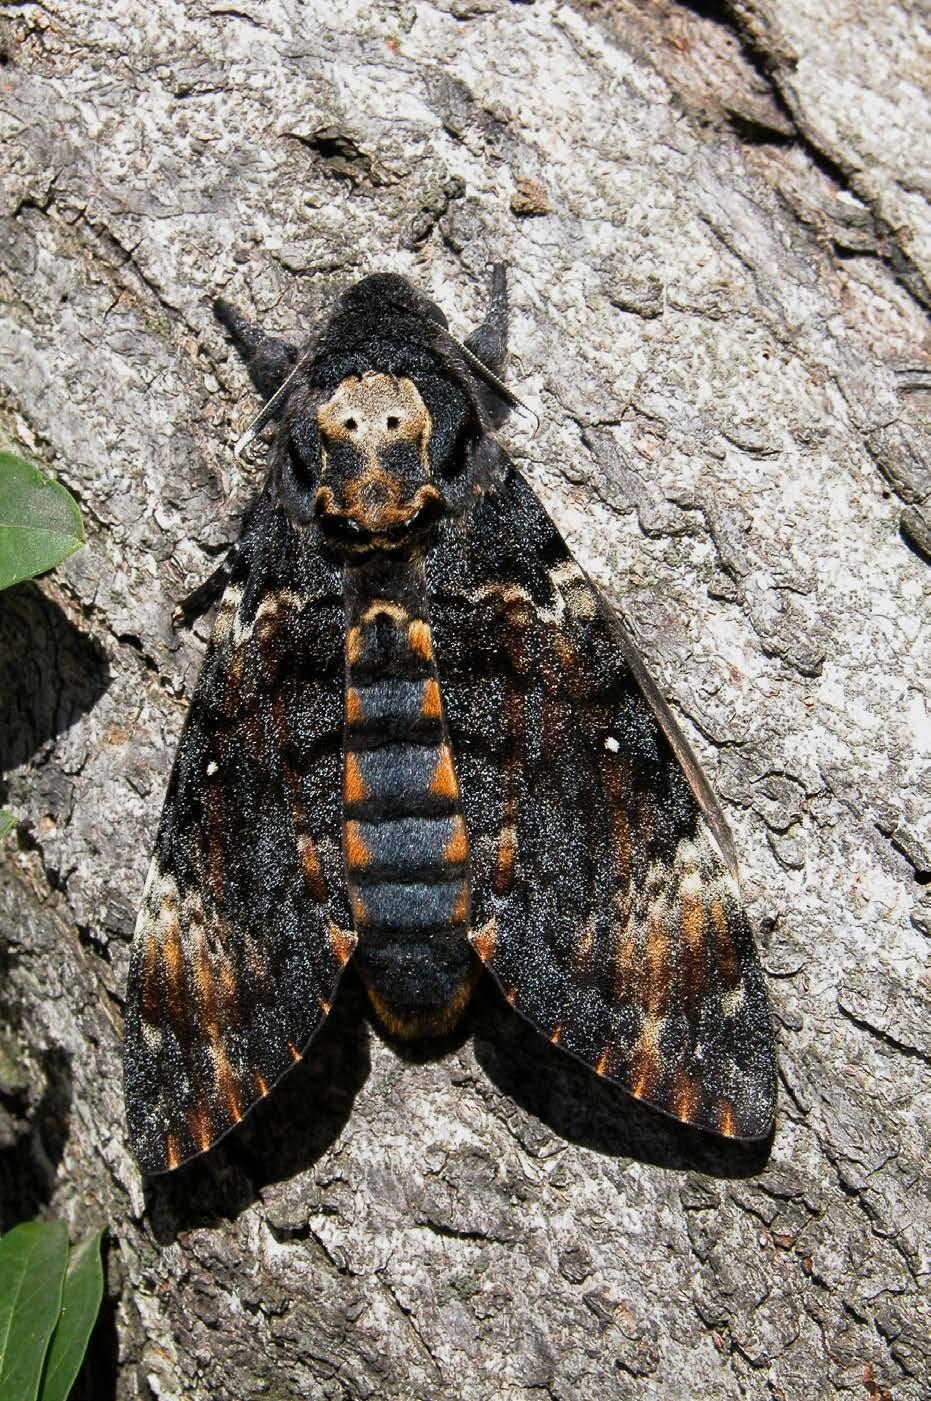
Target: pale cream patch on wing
[(231, 629)]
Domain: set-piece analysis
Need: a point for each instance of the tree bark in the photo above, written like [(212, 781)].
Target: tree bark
[(718, 227)]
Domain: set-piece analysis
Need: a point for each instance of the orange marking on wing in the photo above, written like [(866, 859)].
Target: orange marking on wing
[(444, 784), (694, 956), (557, 1035), (261, 1084), (295, 1053), (725, 953), (150, 1003), (228, 989), (354, 711), (268, 635), (568, 656), (173, 954), (460, 912), (419, 639), (503, 874), (311, 863), (657, 969), (173, 961), (616, 781), (172, 1155), (199, 1125), (357, 853), (646, 1062), (457, 848), (484, 940), (432, 706), (227, 616), (341, 943), (624, 966), (355, 644), (685, 1096), (603, 1063), (305, 846), (324, 1006), (226, 1084), (727, 1123), (205, 989), (511, 995), (354, 789), (693, 922)]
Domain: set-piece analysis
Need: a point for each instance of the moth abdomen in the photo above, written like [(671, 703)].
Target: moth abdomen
[(404, 836), (425, 850), (419, 987)]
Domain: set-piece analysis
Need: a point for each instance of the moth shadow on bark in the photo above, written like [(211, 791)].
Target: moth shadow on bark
[(571, 1100), (52, 673), (35, 1133), (284, 1135)]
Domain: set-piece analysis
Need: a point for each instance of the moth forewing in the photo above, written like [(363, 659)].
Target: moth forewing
[(704, 793)]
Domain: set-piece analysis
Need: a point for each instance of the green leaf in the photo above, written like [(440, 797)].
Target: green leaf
[(40, 524), (33, 1258), (7, 822), (80, 1304)]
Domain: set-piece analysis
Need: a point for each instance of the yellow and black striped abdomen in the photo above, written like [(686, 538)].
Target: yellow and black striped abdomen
[(405, 840)]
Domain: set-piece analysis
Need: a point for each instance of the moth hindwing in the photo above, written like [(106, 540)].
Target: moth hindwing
[(419, 740)]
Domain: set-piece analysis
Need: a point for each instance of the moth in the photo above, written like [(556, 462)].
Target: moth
[(421, 742)]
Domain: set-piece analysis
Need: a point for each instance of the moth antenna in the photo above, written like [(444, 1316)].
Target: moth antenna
[(497, 384), (267, 411), (489, 376)]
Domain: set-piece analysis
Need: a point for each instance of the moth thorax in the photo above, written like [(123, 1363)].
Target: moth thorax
[(375, 475), (372, 412)]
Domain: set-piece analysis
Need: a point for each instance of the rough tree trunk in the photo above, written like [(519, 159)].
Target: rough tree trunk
[(719, 232)]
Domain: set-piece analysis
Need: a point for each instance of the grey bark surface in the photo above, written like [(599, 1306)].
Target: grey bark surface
[(718, 232)]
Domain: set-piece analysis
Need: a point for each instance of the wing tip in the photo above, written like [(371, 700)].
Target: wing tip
[(173, 1144)]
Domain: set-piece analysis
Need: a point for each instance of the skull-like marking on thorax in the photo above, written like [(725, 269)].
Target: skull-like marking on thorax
[(375, 455)]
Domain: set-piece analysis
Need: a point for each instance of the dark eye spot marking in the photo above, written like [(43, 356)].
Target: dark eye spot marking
[(393, 422), (350, 424)]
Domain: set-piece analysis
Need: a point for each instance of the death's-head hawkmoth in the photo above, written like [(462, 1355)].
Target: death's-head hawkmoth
[(420, 741)]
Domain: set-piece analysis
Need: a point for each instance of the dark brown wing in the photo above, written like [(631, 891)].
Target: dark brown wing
[(244, 928), (601, 900)]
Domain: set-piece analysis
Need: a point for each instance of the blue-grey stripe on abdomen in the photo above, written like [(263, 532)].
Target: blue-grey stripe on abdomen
[(405, 839)]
